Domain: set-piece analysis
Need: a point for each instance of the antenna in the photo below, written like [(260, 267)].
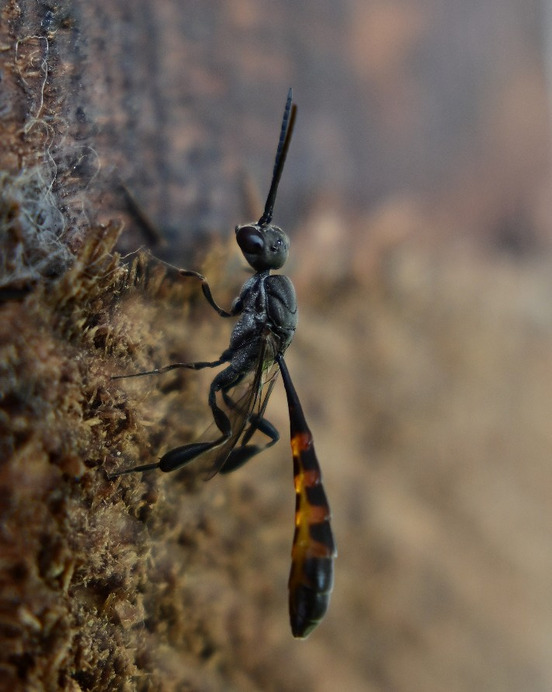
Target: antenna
[(288, 122)]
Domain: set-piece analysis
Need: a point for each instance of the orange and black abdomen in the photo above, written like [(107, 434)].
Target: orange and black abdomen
[(313, 552)]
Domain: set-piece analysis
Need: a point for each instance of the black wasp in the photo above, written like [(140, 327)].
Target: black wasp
[(267, 310)]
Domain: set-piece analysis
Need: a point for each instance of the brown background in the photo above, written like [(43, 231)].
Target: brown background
[(417, 197)]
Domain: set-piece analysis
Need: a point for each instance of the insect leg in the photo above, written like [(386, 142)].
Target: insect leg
[(235, 309), (242, 454), (199, 365), (180, 456), (255, 421)]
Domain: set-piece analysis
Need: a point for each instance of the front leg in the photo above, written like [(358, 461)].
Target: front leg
[(237, 305)]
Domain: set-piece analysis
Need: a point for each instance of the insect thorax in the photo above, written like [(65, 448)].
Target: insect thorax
[(268, 303)]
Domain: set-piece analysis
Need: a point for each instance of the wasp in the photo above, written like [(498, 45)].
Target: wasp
[(238, 396)]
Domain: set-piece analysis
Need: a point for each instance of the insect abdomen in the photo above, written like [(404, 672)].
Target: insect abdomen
[(313, 552), (309, 601)]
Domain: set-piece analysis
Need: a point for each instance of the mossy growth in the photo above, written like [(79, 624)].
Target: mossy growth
[(83, 600)]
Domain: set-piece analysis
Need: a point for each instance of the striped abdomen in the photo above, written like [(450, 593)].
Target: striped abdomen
[(313, 552)]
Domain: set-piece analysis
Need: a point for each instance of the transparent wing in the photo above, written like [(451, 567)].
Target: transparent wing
[(244, 404)]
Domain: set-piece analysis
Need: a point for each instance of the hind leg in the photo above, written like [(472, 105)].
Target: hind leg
[(244, 452), (180, 456)]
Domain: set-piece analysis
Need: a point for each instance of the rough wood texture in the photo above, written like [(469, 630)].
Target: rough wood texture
[(422, 362)]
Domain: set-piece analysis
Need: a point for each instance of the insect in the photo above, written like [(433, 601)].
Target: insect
[(238, 396)]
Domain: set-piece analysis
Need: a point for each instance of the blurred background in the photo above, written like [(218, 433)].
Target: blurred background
[(417, 198)]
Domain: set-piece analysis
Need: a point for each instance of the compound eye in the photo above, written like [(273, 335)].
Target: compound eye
[(250, 240)]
